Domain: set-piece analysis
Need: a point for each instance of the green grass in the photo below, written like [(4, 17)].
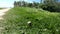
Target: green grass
[(43, 22), (1, 8)]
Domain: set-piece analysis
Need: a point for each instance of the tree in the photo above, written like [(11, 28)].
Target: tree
[(15, 3), (35, 4), (50, 5), (41, 1)]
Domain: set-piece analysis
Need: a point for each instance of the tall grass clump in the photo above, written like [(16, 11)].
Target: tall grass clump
[(41, 22)]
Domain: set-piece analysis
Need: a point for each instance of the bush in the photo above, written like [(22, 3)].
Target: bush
[(53, 6)]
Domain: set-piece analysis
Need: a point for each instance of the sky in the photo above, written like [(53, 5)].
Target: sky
[(9, 3)]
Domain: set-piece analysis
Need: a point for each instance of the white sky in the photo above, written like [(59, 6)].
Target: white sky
[(9, 3)]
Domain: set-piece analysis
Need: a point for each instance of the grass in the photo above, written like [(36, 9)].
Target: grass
[(1, 8), (43, 22)]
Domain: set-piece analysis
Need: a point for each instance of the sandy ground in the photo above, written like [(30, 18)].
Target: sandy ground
[(2, 12)]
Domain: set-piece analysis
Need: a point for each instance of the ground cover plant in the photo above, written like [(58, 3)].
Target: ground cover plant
[(42, 22), (1, 8)]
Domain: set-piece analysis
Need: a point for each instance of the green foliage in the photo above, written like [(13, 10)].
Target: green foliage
[(1, 8), (20, 4), (26, 4), (43, 22), (51, 5)]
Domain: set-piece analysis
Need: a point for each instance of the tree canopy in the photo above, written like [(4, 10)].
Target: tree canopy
[(50, 5)]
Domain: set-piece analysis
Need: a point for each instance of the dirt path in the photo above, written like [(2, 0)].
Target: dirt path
[(2, 13)]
